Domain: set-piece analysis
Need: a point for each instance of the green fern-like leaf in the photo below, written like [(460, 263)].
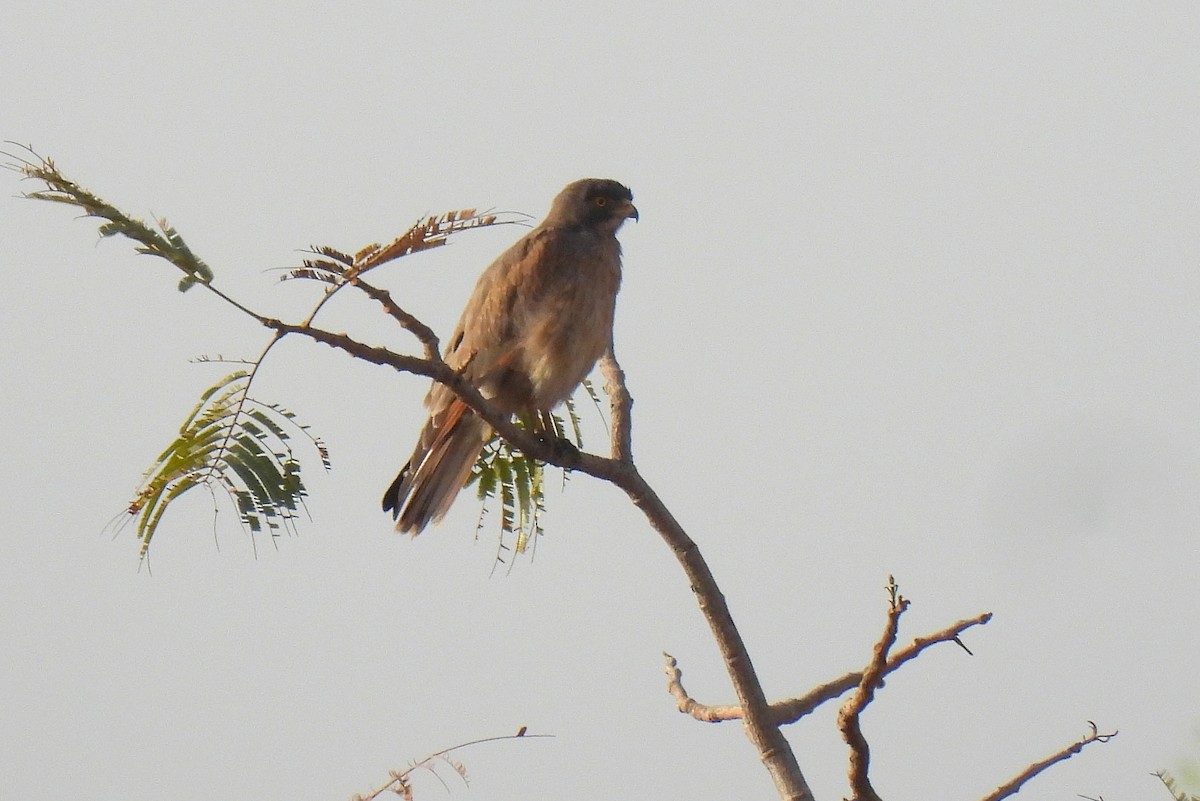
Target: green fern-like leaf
[(506, 488), (505, 474), (522, 471), (165, 243), (1173, 787), (236, 443)]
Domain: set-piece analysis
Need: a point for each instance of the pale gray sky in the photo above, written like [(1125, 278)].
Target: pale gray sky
[(914, 290)]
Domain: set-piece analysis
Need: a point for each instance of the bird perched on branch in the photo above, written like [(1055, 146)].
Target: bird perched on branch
[(539, 318)]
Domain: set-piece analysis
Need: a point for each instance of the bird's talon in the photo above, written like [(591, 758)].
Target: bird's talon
[(563, 448)]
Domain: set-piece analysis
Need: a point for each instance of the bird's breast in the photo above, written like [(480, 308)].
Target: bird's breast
[(570, 324)]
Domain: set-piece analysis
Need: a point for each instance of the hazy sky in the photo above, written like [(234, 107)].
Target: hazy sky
[(914, 291)]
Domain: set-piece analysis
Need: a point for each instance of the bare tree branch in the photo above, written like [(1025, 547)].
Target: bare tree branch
[(410, 323), (688, 705), (441, 372), (773, 748), (620, 406), (793, 709), (1017, 782), (848, 723)]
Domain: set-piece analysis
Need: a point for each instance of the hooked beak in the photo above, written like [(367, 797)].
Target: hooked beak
[(629, 210)]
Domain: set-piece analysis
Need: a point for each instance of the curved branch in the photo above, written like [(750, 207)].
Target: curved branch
[(690, 706), (872, 679), (1017, 782), (399, 783)]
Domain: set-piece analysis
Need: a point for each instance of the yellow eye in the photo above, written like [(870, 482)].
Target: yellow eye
[(601, 201)]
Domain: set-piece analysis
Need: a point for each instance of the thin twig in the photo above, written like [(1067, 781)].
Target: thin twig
[(1017, 782), (399, 781), (410, 323)]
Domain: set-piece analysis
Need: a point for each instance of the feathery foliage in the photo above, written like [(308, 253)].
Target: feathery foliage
[(238, 444), (400, 781), (1172, 785), (166, 243), (1187, 772), (229, 440), (506, 474), (337, 268)]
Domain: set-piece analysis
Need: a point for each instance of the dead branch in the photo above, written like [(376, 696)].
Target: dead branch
[(688, 705), (1017, 782), (848, 717), (792, 709)]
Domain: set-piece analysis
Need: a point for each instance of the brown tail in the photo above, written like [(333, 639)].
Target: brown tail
[(429, 483)]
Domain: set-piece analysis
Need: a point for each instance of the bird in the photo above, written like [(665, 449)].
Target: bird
[(536, 323)]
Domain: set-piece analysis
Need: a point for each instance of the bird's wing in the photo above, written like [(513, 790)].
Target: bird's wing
[(490, 323), (496, 320)]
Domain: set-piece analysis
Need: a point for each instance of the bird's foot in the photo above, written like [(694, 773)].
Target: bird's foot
[(564, 449)]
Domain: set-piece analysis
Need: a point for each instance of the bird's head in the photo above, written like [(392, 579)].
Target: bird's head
[(598, 203)]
